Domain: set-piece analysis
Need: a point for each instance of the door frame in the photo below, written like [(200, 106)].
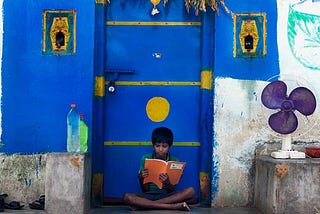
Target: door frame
[(208, 180)]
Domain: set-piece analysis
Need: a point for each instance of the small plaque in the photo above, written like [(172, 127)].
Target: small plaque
[(249, 35), (59, 32)]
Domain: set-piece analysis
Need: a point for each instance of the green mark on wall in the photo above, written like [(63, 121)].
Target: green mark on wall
[(304, 36)]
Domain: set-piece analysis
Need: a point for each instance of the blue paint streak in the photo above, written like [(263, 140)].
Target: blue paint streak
[(37, 170), (27, 182)]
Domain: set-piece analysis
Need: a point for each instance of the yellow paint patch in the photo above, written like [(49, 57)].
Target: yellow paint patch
[(157, 109), (97, 186), (101, 1), (281, 170), (204, 185), (99, 87), (206, 80), (77, 161)]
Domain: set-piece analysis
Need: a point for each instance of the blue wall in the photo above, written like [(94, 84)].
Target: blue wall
[(225, 65), (37, 89)]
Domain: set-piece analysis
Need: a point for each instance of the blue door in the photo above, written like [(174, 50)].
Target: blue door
[(152, 77)]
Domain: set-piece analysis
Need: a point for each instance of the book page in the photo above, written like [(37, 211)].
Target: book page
[(174, 170), (155, 167)]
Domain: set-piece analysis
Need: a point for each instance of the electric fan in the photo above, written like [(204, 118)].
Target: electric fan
[(284, 121)]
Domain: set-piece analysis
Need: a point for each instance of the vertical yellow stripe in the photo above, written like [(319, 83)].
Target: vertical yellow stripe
[(74, 31), (99, 87), (234, 35), (264, 34), (44, 25), (206, 80)]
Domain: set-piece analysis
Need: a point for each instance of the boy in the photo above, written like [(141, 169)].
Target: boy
[(152, 197)]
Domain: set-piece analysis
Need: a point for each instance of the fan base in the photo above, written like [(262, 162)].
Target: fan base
[(287, 154)]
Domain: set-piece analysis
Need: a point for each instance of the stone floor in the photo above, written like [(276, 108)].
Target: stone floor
[(125, 209), (194, 209)]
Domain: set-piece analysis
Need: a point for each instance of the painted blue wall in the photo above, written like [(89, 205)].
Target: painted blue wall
[(225, 65), (37, 89)]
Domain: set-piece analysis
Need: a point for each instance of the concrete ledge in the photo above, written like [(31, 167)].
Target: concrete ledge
[(287, 186), (68, 183)]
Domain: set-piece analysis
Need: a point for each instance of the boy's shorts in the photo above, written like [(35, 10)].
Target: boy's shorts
[(155, 194)]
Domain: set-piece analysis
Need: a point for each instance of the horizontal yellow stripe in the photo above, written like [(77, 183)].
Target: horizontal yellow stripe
[(154, 83), (101, 1), (130, 23), (137, 143)]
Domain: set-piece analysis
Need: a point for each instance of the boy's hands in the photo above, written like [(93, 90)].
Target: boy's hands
[(164, 178), (144, 173)]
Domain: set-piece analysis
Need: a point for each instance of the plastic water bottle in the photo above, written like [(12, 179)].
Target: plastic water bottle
[(83, 134), (73, 122)]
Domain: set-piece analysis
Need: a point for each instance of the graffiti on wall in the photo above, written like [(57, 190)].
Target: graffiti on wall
[(304, 32), (299, 35)]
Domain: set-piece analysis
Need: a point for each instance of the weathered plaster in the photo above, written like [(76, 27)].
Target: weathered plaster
[(22, 177), (241, 130)]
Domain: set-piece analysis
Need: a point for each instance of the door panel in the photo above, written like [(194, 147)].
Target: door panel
[(148, 60), (176, 45)]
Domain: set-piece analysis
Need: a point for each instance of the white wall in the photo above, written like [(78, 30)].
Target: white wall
[(241, 121)]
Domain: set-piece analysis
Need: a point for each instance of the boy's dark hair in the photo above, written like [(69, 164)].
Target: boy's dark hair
[(162, 135)]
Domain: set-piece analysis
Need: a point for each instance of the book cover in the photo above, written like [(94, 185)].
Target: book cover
[(174, 170)]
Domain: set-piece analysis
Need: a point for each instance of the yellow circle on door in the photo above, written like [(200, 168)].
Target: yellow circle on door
[(157, 109)]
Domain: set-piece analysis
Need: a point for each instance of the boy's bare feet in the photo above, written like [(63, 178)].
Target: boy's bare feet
[(183, 206)]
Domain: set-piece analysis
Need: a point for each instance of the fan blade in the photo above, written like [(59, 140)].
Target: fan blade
[(283, 122), (303, 100), (274, 94)]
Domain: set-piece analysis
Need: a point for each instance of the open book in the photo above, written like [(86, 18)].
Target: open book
[(174, 170)]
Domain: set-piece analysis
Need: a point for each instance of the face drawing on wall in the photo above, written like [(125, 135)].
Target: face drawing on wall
[(304, 32)]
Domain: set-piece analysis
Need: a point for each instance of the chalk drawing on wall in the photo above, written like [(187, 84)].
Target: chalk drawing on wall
[(304, 32)]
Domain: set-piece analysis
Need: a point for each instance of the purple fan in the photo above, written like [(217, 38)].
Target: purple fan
[(274, 96)]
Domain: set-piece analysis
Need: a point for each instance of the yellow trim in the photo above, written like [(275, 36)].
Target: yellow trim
[(234, 17), (44, 25), (137, 143), (154, 83), (132, 23), (206, 80), (99, 87), (264, 33), (101, 1), (234, 35), (74, 32)]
